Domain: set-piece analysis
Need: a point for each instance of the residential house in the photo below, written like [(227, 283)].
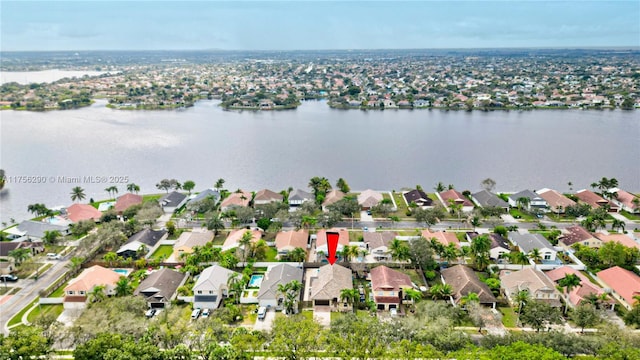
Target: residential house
[(620, 238), (7, 267), (487, 199), (623, 283), (332, 197), (241, 198), (527, 242), (418, 197), (146, 240), (533, 281), (535, 202), (78, 289), (266, 196), (172, 201), (208, 193), (579, 293), (280, 274), (454, 197), (557, 202), (463, 281), (369, 198), (6, 247), (31, 230), (388, 287), (160, 287), (80, 212), (190, 239), (596, 201), (578, 235), (126, 201), (326, 285), (321, 242), (233, 240), (378, 244), (626, 201), (288, 240), (443, 237), (499, 245), (211, 287), (297, 197)]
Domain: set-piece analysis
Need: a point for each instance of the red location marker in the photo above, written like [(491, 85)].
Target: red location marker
[(332, 246)]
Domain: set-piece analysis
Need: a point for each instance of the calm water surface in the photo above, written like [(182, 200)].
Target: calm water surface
[(376, 149)]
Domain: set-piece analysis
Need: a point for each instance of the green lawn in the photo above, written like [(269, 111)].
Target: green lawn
[(151, 197), (26, 269), (163, 252), (359, 313), (518, 214), (17, 318), (220, 238), (43, 310), (509, 318), (629, 215), (413, 275), (271, 255)]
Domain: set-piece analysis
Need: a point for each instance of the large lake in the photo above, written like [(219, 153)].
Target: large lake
[(387, 149)]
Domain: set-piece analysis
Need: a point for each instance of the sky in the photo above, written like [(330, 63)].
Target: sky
[(315, 25)]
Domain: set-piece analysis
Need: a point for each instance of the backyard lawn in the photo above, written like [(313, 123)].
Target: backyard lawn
[(518, 214), (413, 275), (163, 252), (509, 318), (271, 255)]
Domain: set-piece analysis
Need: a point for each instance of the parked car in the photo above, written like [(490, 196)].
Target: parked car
[(195, 313), (394, 312), (205, 313), (54, 256), (369, 212), (150, 313), (262, 313), (8, 278)]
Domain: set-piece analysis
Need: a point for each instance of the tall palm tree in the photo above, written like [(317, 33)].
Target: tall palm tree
[(77, 194), (235, 286), (123, 287), (521, 298), (469, 298), (523, 202), (536, 256), (245, 242), (112, 191), (219, 184), (569, 282), (297, 255), (441, 291), (351, 297), (520, 258), (51, 236), (439, 187), (133, 188), (617, 224), (413, 295), (97, 294), (19, 255)]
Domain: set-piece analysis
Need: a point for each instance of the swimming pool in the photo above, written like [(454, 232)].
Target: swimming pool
[(255, 281), (123, 272)]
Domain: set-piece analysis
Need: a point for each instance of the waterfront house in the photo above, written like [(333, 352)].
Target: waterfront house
[(388, 287), (233, 240), (578, 235), (626, 201), (190, 239), (533, 281), (287, 241), (534, 201), (579, 293), (487, 199), (31, 230), (378, 244), (241, 198), (499, 245), (418, 197), (211, 287), (143, 241), (332, 197), (369, 198), (207, 193), (463, 281), (297, 197), (77, 291), (326, 285), (624, 284), (160, 287), (321, 242), (81, 212), (280, 274), (595, 201), (527, 242), (126, 201), (556, 201), (172, 201), (266, 196), (454, 197)]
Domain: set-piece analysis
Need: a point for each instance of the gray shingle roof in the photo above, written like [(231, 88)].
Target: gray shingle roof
[(160, 285), (279, 274), (528, 242), (172, 199), (37, 228), (464, 281), (485, 198)]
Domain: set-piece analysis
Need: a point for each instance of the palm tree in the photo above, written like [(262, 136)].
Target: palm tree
[(51, 236), (235, 285), (439, 187), (413, 295), (111, 190), (470, 297), (75, 263), (536, 256), (77, 193), (350, 296), (450, 253), (123, 287), (395, 247), (20, 255), (110, 257), (133, 188), (475, 222), (297, 255), (523, 202), (520, 258), (441, 291), (521, 298), (97, 294), (569, 282), (617, 224), (219, 184), (244, 242)]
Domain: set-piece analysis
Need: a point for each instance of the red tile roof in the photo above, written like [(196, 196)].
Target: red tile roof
[(455, 196), (292, 239), (79, 212), (621, 238), (386, 279), (444, 238), (622, 281), (593, 199), (126, 201)]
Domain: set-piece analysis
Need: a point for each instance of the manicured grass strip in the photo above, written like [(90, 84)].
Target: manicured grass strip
[(59, 292), (163, 252), (17, 319), (43, 310), (509, 318), (271, 255)]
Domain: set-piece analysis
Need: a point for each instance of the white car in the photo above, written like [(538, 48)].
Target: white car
[(195, 313), (205, 313), (262, 313), (54, 256)]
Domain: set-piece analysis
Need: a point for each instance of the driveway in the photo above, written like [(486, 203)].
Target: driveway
[(322, 316), (364, 217), (267, 323)]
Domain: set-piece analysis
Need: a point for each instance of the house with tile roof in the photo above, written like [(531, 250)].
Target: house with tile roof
[(577, 294), (160, 287), (534, 281), (369, 198), (326, 285), (378, 242), (280, 274), (624, 284), (78, 289), (211, 287), (595, 201), (536, 202), (126, 201), (80, 212), (147, 239), (332, 197), (241, 199), (443, 237), (463, 281), (190, 239), (321, 242), (387, 286), (626, 201), (527, 242), (418, 197), (288, 240), (487, 199), (266, 196), (578, 235), (623, 239), (233, 240), (557, 202), (453, 196), (499, 245)]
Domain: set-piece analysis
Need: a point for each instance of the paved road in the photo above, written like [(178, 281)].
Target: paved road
[(441, 225), (30, 290)]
